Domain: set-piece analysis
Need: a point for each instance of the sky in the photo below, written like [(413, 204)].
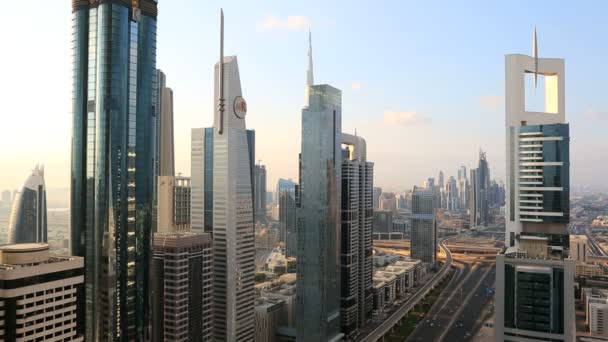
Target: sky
[(421, 81)]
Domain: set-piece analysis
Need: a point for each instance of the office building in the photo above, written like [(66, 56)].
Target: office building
[(201, 175), (479, 193), (376, 196), (535, 276), (424, 227), (268, 316), (233, 232), (388, 202), (578, 248), (356, 236), (39, 293), (28, 218), (174, 203), (163, 136), (182, 298), (318, 215), (259, 192), (595, 302), (112, 175), (286, 193), (463, 188), (382, 221), (451, 194)]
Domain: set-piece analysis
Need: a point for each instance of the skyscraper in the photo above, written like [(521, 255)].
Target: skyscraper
[(424, 229), (318, 268), (259, 192), (463, 188), (479, 192), (112, 175), (376, 197), (356, 299), (27, 222), (286, 193), (451, 194), (182, 302), (535, 276), (201, 171), (233, 234)]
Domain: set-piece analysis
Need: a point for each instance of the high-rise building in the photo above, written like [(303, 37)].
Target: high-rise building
[(376, 197), (318, 214), (182, 298), (268, 316), (388, 202), (39, 293), (424, 228), (382, 221), (479, 192), (259, 192), (451, 194), (441, 179), (233, 232), (201, 174), (164, 155), (174, 203), (578, 248), (28, 218), (286, 192), (535, 276), (356, 243), (112, 175)]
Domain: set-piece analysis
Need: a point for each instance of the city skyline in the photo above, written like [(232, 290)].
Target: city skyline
[(405, 97)]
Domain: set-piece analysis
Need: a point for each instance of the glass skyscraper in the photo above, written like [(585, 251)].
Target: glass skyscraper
[(28, 219), (318, 267), (114, 51)]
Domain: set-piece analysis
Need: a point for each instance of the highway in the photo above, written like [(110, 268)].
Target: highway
[(455, 314), (390, 321)]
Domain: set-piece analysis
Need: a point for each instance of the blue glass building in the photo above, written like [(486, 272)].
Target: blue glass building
[(318, 215), (114, 51)]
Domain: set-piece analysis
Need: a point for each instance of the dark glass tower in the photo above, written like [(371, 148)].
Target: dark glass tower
[(114, 49)]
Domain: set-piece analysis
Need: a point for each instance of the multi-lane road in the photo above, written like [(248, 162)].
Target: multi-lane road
[(463, 304)]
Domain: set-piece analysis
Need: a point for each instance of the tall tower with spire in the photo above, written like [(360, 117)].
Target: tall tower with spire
[(318, 214), (233, 235)]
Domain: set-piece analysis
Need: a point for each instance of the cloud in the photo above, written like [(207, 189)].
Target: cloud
[(406, 118), (491, 101), (292, 22), (596, 115), (356, 85)]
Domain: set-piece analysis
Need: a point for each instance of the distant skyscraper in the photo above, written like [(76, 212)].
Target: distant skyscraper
[(463, 188), (376, 197), (233, 233), (356, 245), (318, 268), (535, 276), (112, 175), (424, 229), (286, 192), (451, 194), (441, 179), (388, 202), (382, 221), (480, 187), (39, 293), (28, 219), (182, 301), (259, 192)]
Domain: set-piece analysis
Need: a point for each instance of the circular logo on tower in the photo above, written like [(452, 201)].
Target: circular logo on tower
[(240, 107)]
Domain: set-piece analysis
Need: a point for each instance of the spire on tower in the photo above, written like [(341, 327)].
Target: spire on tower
[(535, 56), (220, 100), (309, 73)]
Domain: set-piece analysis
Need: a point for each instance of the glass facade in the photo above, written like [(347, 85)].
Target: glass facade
[(318, 269), (114, 48), (545, 164), (28, 218)]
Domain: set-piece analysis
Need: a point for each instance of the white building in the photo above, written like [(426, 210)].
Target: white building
[(39, 294), (233, 233)]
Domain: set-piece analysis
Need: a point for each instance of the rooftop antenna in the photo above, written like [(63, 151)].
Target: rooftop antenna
[(221, 99)]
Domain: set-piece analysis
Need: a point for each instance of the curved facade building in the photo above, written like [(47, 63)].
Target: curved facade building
[(113, 107), (27, 222)]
